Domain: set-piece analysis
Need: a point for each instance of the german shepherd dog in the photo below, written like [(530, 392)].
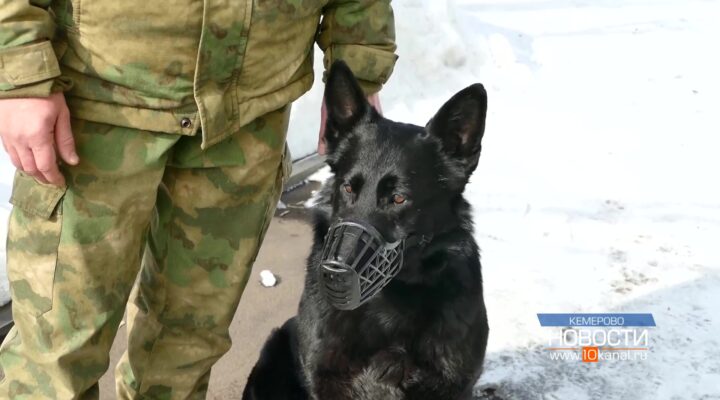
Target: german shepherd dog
[(424, 335)]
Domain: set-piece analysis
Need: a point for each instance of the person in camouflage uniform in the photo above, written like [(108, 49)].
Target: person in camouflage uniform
[(176, 157)]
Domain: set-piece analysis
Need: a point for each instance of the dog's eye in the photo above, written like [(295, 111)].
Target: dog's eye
[(347, 188), (398, 199)]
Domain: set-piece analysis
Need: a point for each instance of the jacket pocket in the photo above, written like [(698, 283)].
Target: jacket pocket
[(32, 243)]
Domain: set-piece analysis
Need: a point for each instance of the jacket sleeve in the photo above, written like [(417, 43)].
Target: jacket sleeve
[(28, 65), (362, 33)]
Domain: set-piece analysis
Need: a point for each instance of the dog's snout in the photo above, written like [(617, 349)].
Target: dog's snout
[(346, 247)]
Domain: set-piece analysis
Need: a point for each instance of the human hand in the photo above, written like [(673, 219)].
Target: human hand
[(373, 99), (34, 131)]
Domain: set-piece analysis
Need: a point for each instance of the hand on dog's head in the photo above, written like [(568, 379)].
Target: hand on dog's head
[(459, 124)]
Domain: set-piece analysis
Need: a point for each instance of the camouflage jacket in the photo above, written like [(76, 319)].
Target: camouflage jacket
[(181, 66)]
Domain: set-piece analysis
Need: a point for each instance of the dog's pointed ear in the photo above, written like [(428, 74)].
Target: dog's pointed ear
[(460, 125), (345, 101)]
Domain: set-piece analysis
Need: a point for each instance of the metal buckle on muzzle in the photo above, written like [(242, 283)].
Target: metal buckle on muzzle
[(356, 264)]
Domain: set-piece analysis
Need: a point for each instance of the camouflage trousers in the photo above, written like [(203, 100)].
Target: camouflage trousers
[(148, 216)]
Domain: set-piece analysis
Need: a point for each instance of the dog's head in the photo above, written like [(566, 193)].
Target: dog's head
[(402, 179)]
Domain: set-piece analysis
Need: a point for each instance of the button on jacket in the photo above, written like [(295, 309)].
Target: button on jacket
[(184, 66)]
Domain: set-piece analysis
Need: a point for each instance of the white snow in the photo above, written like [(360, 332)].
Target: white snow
[(321, 175), (267, 278), (597, 190)]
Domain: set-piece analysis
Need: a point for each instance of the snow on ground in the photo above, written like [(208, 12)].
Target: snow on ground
[(597, 190)]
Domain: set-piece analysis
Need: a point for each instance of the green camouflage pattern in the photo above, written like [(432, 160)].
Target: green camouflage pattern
[(74, 254), (217, 64), (361, 33)]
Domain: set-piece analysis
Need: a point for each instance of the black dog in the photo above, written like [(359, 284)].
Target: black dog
[(424, 335)]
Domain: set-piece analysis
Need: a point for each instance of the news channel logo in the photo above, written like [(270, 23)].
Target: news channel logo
[(593, 338)]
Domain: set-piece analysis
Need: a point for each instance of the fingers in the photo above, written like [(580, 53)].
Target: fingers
[(27, 163), (47, 167), (374, 100), (322, 145), (39, 162), (33, 128), (322, 148), (64, 138)]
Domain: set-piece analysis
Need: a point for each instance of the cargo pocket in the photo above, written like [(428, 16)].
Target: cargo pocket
[(32, 243)]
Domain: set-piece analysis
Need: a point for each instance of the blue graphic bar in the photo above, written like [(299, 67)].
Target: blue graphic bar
[(608, 319)]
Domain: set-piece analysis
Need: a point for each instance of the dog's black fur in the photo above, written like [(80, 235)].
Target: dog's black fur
[(424, 336)]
